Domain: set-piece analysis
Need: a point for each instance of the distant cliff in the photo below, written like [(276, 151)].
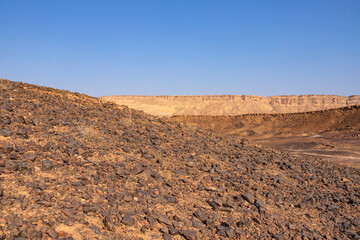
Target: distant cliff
[(232, 104)]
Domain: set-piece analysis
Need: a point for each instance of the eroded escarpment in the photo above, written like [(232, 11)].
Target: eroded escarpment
[(231, 104), (75, 167)]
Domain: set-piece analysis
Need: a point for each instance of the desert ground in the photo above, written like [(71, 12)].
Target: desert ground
[(332, 134), (324, 126), (78, 167)]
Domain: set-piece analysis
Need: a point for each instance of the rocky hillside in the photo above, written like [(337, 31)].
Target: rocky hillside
[(231, 104), (73, 167), (252, 125)]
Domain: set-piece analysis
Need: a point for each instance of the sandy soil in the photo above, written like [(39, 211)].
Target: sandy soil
[(327, 146)]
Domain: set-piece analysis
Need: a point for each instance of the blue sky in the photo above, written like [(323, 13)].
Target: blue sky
[(184, 47)]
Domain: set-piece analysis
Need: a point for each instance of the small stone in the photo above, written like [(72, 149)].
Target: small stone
[(5, 132), (47, 165), (89, 208), (260, 205), (126, 149), (52, 233), (29, 157), (279, 236), (248, 197), (167, 236), (164, 229), (128, 220), (170, 198), (147, 173), (173, 231), (200, 215), (164, 219), (210, 223), (197, 224), (226, 209), (144, 228), (18, 222), (229, 232), (211, 189), (189, 235)]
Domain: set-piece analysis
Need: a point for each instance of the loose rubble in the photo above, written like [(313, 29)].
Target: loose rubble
[(74, 167)]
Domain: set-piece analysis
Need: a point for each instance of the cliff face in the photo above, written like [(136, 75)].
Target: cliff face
[(232, 104)]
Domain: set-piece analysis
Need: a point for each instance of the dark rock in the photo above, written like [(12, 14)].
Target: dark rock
[(260, 205), (229, 232), (126, 149), (5, 132), (210, 223), (170, 198), (202, 216), (197, 224), (18, 222), (29, 157), (166, 236), (164, 219), (279, 236), (20, 238), (226, 209), (128, 220), (144, 228), (147, 173), (248, 196), (7, 148), (47, 165), (52, 233), (173, 231), (90, 208), (189, 234)]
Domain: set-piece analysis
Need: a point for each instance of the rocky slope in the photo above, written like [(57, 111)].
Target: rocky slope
[(290, 124), (231, 104), (73, 167)]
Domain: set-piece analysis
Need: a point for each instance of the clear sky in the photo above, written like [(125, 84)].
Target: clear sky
[(183, 47)]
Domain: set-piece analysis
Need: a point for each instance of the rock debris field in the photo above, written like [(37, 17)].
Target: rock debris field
[(74, 167)]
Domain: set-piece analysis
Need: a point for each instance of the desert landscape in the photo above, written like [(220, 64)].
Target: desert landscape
[(77, 167), (332, 134), (180, 120), (220, 105), (319, 125)]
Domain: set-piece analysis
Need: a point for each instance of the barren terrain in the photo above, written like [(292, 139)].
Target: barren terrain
[(333, 134), (75, 167), (231, 104)]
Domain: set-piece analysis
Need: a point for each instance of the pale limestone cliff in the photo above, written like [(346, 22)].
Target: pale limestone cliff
[(232, 104)]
